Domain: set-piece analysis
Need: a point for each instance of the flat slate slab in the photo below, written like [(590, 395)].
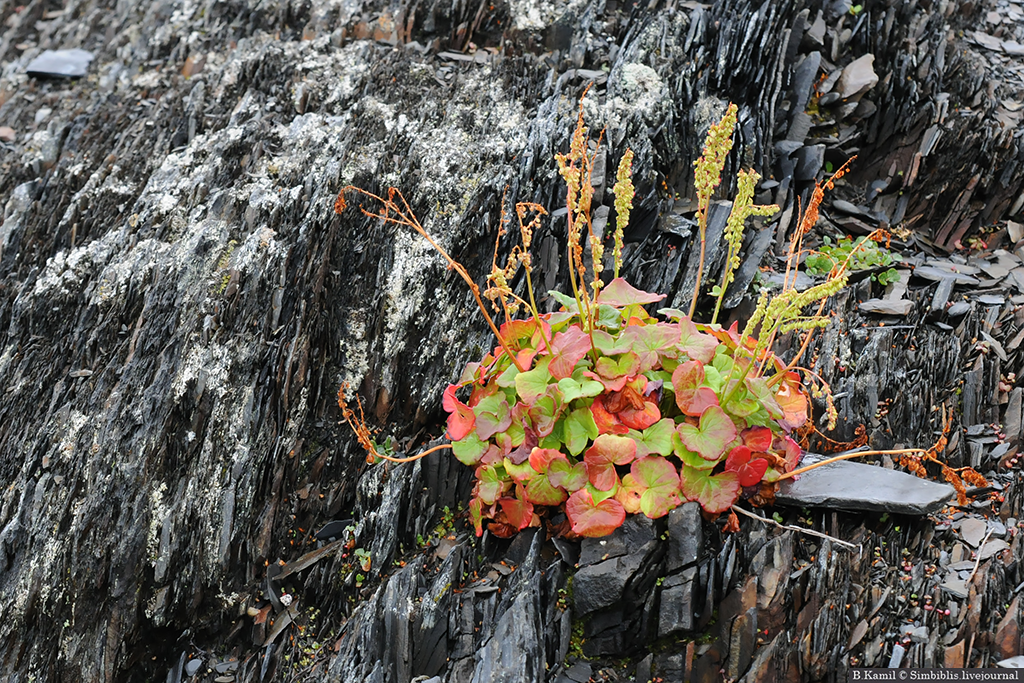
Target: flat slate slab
[(60, 64), (849, 485)]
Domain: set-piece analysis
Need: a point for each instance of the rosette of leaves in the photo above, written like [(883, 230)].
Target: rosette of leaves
[(634, 415)]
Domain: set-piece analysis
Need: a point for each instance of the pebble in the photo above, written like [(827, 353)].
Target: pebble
[(7, 134)]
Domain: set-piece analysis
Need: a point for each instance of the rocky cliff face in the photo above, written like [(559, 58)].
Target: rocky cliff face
[(179, 305)]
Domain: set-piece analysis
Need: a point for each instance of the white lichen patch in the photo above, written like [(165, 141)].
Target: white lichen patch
[(534, 15), (634, 90), (158, 511)]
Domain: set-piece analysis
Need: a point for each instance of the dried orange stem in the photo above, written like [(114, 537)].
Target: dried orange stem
[(847, 456), (413, 457)]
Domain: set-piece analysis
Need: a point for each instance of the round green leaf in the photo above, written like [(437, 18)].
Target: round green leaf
[(710, 438)]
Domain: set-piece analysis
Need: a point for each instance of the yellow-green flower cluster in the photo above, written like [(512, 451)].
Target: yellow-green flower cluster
[(624, 192), (708, 168), (743, 207)]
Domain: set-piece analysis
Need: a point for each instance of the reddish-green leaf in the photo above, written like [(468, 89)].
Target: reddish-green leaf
[(545, 411), (601, 458), (593, 519), (710, 438), (629, 494), (520, 473), (758, 386), (716, 493), (462, 420), (649, 342), (659, 481), (476, 514), (694, 343), (539, 491), (620, 293), (491, 483), (691, 397), (609, 345), (563, 474), (571, 390), (518, 510), (492, 416), (528, 441), (689, 458), (640, 419), (567, 349), (469, 449)]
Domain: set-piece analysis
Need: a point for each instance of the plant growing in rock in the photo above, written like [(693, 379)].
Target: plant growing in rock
[(603, 409), (862, 253)]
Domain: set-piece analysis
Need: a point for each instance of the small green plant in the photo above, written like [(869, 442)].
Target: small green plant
[(603, 409), (860, 254)]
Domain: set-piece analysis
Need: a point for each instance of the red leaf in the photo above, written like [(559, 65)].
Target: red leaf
[(518, 510), (608, 450), (567, 349), (758, 439), (590, 519), (749, 471), (793, 402), (738, 457), (607, 423), (692, 398), (620, 293), (540, 458), (462, 420), (640, 419), (791, 449)]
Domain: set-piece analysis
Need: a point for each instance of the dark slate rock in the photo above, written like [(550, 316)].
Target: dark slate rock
[(600, 585), (958, 309), (636, 532), (515, 650), (742, 643), (579, 672), (849, 485), (810, 159), (60, 64), (886, 307), (675, 612), (937, 274), (942, 294), (333, 529), (685, 536), (804, 75), (786, 147), (829, 99), (192, 666)]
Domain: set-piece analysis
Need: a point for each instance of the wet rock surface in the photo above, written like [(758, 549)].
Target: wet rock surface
[(179, 304)]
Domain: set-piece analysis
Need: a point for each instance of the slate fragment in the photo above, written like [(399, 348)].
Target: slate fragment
[(849, 485), (60, 64)]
